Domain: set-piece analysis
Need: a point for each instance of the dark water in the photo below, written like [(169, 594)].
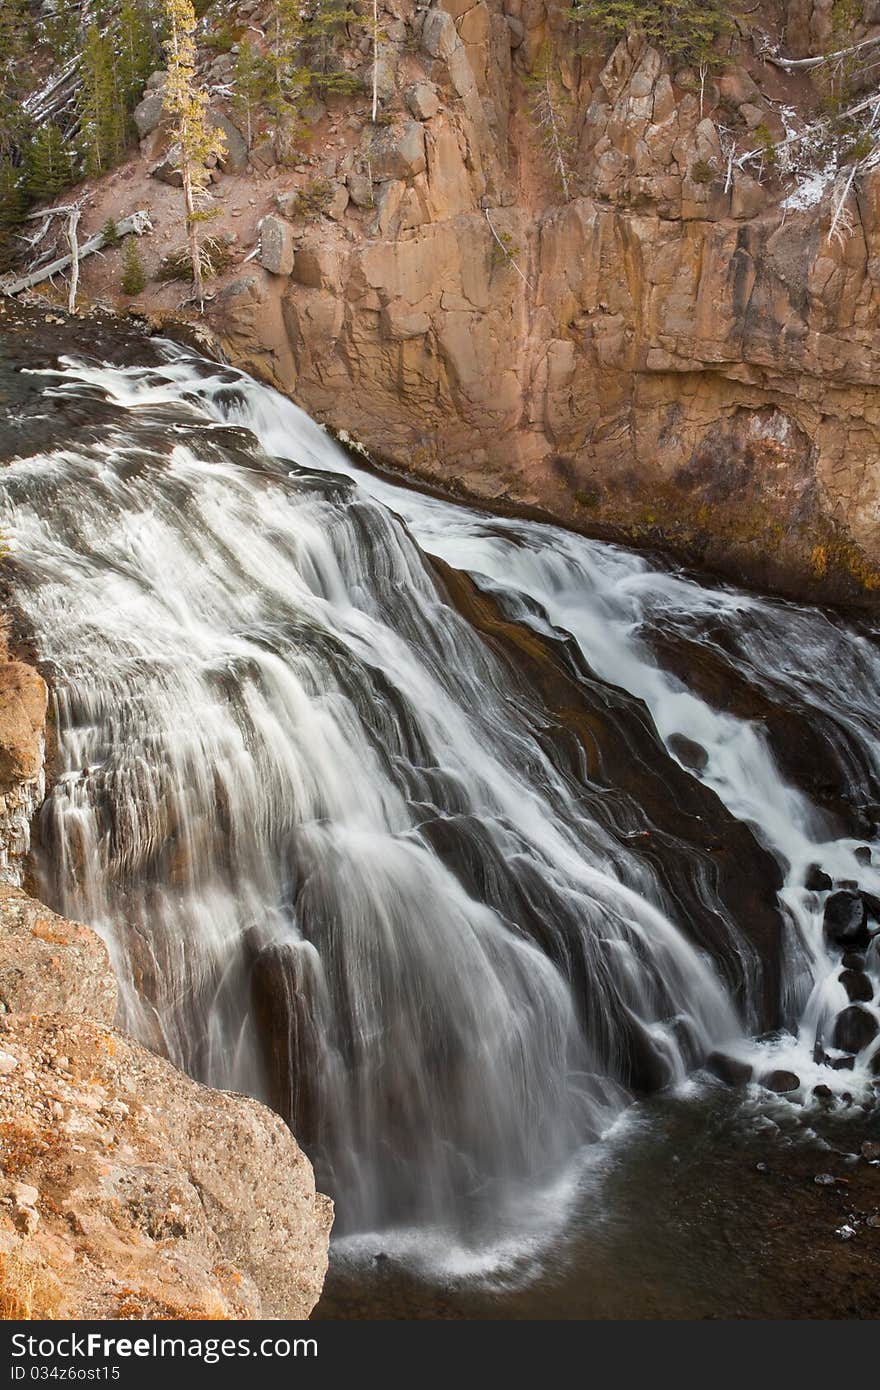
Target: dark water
[(700, 1207)]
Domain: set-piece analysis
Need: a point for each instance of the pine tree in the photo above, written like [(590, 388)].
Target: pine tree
[(50, 165), (187, 105), (304, 49), (137, 48), (133, 275), (252, 81), (15, 35), (63, 29), (12, 206), (102, 111), (688, 31)]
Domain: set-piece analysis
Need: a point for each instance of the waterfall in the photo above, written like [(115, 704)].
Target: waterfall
[(338, 846)]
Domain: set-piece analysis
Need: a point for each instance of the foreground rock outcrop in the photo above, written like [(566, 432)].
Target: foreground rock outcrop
[(51, 965), (129, 1191)]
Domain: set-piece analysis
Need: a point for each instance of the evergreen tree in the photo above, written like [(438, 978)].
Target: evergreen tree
[(688, 31), (12, 206), (187, 105), (137, 48), (15, 36), (63, 29), (252, 81), (133, 275), (304, 49), (50, 163), (102, 111)]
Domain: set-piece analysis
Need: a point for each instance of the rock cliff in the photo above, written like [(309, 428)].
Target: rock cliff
[(673, 340)]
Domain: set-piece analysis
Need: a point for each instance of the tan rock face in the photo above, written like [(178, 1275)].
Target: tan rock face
[(22, 717), (23, 700), (596, 356), (48, 964), (129, 1191)]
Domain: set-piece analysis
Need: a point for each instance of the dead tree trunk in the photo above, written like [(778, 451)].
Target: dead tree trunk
[(137, 223), (72, 224)]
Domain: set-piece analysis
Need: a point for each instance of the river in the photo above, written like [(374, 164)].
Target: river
[(463, 841)]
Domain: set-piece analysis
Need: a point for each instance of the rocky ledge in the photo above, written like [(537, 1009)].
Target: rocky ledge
[(127, 1190)]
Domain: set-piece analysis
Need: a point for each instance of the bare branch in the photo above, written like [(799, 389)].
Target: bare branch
[(137, 223)]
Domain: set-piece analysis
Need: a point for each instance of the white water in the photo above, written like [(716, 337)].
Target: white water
[(306, 806)]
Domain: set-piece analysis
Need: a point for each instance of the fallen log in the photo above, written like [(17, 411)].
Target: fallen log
[(138, 223)]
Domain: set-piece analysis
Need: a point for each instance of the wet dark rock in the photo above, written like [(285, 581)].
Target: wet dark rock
[(863, 854), (854, 1029), (816, 880), (845, 921), (823, 1092), (844, 1063), (730, 1070), (857, 986), (693, 755), (782, 1082), (850, 884), (872, 905), (853, 960), (871, 1151)]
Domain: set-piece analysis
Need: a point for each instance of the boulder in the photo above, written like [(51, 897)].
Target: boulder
[(167, 170), (263, 155), (422, 100), (852, 960), (854, 1029), (360, 189), (857, 985), (147, 115), (235, 156), (337, 202), (816, 880), (731, 1070), (736, 86), (398, 153), (48, 964), (846, 921), (863, 854), (691, 754), (439, 35), (386, 77), (276, 246), (141, 1194), (782, 1082)]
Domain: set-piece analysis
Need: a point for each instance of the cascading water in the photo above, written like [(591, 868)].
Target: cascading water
[(337, 856)]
